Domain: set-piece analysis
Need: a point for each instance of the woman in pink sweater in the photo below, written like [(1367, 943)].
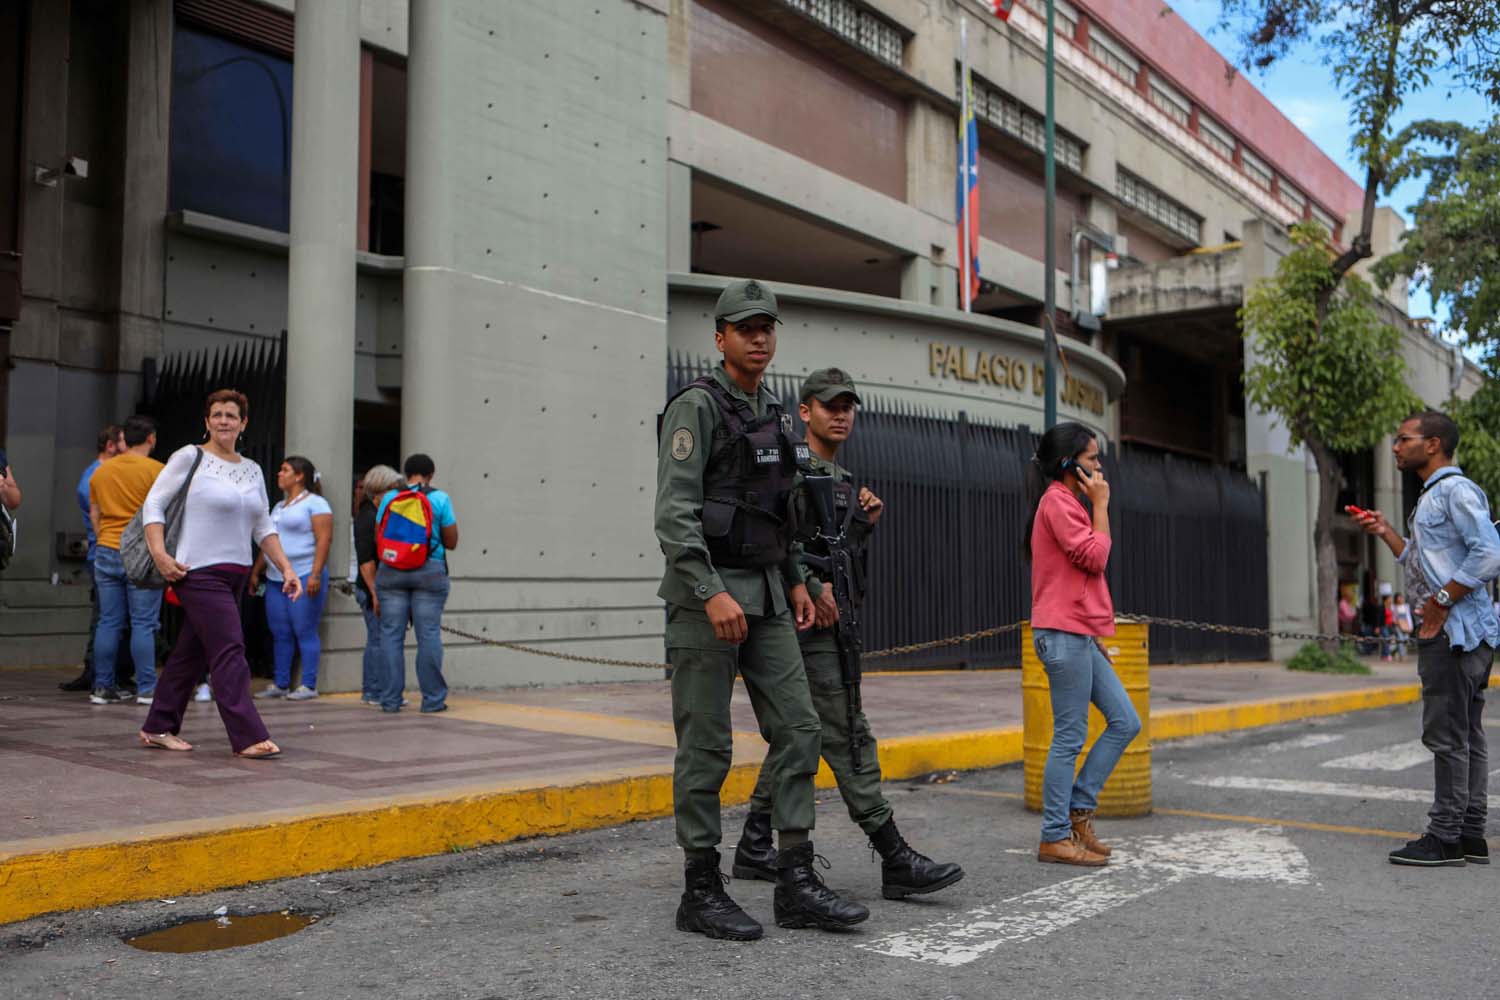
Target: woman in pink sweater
[(1067, 542)]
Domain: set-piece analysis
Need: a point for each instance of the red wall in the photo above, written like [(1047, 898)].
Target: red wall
[(1013, 205), (1179, 53), (764, 83)]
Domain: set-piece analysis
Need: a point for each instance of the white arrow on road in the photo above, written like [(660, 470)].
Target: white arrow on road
[(1140, 866)]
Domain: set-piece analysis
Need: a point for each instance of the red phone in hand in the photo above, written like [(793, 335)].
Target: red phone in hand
[(1356, 512)]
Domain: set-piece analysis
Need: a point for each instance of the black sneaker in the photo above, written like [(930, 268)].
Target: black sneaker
[(107, 696), (1430, 852), (1476, 850)]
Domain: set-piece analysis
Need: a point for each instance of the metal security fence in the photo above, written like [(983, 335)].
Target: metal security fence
[(1189, 537)]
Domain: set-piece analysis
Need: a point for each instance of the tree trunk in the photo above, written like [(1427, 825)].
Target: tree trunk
[(1329, 478)]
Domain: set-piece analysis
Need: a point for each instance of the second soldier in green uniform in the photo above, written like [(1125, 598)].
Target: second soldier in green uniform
[(829, 403), (726, 464)]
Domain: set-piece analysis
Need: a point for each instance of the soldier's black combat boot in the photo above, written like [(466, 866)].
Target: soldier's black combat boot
[(905, 872), (755, 857), (707, 909), (802, 900)]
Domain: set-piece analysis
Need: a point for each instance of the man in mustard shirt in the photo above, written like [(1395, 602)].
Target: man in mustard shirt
[(116, 491)]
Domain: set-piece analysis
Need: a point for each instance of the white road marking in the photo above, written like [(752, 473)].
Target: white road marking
[(1391, 758), (1386, 793), (1302, 742), (1140, 866)]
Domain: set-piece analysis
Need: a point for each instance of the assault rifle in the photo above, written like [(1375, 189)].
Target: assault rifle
[(839, 567)]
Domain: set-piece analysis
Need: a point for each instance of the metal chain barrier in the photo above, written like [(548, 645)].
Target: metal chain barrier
[(915, 647)]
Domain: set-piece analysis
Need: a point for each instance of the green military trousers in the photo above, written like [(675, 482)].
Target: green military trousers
[(860, 788), (703, 669)]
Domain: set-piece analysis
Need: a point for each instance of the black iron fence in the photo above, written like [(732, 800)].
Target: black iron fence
[(1189, 537)]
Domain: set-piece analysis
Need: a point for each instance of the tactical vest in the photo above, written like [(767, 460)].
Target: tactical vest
[(747, 485), (851, 517)]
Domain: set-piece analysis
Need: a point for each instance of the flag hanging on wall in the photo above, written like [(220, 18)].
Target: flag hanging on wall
[(1002, 8), (968, 197)]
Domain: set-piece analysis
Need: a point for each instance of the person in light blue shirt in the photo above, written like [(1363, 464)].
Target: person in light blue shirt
[(417, 595), (1451, 554), (304, 520), (111, 442)]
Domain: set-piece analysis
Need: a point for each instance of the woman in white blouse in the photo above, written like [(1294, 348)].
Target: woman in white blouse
[(224, 516)]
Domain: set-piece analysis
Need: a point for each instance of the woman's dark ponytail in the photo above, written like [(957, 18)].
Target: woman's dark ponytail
[(1064, 441)]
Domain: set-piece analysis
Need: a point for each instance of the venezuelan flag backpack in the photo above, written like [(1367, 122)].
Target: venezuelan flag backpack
[(403, 539)]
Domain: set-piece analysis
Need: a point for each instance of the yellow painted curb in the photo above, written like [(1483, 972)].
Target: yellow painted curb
[(199, 859)]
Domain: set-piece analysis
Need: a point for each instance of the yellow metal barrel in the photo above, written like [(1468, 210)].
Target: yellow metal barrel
[(1128, 790)]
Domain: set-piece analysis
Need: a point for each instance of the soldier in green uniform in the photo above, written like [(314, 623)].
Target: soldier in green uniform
[(829, 402), (726, 463)]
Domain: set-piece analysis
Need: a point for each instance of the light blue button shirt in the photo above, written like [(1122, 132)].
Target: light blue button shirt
[(1456, 541)]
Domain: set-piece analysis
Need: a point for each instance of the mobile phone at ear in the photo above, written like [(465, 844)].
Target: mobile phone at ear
[(1084, 475)]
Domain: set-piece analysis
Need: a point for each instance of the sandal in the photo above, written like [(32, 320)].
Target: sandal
[(259, 751), (163, 741)]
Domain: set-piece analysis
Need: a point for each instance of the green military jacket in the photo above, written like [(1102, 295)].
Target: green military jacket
[(690, 429), (819, 640)]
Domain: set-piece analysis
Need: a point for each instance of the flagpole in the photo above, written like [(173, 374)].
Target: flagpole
[(1049, 276), (966, 264)]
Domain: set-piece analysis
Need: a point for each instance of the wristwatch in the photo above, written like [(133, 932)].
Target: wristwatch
[(1443, 598)]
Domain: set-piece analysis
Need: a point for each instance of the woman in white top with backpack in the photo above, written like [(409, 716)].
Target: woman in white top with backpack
[(225, 514)]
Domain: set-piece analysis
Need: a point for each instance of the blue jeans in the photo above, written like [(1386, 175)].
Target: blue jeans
[(121, 601), (417, 596), (1079, 673), (373, 683), (294, 629)]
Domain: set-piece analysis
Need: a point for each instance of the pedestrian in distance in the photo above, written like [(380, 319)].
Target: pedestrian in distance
[(1401, 615), (117, 490), (109, 443), (377, 482), (225, 514), (1068, 545), (304, 522), (726, 464), (829, 403), (416, 529), (1450, 554)]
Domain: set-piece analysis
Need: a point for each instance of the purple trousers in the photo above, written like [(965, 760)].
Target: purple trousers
[(211, 642)]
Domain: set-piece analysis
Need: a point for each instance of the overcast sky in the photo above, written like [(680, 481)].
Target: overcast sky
[(1302, 87)]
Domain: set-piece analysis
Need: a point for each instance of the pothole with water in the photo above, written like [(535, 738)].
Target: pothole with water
[(224, 931)]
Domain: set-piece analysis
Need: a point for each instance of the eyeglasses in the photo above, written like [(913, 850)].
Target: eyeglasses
[(1414, 437)]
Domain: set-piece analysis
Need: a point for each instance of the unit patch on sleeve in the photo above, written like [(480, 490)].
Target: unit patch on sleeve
[(682, 444)]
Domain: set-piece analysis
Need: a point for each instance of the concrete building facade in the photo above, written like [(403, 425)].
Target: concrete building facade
[(484, 228)]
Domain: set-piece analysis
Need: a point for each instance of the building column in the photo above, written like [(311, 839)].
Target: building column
[(679, 217), (534, 312), (324, 230), (1388, 500)]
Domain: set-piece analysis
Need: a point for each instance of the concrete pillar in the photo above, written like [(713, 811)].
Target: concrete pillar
[(1388, 500), (535, 306), (679, 217), (144, 203), (324, 230)]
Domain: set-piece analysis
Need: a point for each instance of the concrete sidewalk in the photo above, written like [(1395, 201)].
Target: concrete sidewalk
[(92, 819)]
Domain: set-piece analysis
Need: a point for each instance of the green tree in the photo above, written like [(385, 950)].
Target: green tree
[(1334, 376), (1478, 420), (1453, 246), (1379, 52)]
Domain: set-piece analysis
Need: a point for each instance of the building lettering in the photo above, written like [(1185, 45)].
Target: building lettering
[(945, 361)]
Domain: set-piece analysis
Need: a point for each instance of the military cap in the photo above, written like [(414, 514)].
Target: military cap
[(828, 384), (742, 299)]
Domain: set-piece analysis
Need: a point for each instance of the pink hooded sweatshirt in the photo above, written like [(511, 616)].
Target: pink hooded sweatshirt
[(1068, 589)]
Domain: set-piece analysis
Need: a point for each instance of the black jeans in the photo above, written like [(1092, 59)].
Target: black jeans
[(1453, 687)]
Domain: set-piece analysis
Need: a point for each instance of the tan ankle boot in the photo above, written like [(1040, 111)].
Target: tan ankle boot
[(1083, 830), (1069, 852)]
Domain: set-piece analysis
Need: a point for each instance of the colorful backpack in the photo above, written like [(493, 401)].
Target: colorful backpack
[(403, 539)]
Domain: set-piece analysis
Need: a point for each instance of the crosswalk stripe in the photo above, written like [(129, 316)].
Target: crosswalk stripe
[(1386, 793), (1392, 758)]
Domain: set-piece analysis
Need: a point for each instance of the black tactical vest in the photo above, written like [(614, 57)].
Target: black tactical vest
[(848, 516), (747, 520)]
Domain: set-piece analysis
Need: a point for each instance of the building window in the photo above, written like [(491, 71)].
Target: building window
[(1157, 206), (853, 23), (1215, 136), (1292, 198), (231, 145), (1256, 169), (1064, 15), (1116, 57), (1169, 99), (1015, 119)]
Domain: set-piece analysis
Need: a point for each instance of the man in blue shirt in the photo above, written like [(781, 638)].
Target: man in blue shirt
[(1451, 554), (111, 442), (417, 595)]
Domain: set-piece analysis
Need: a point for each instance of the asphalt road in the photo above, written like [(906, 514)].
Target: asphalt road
[(1261, 874)]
